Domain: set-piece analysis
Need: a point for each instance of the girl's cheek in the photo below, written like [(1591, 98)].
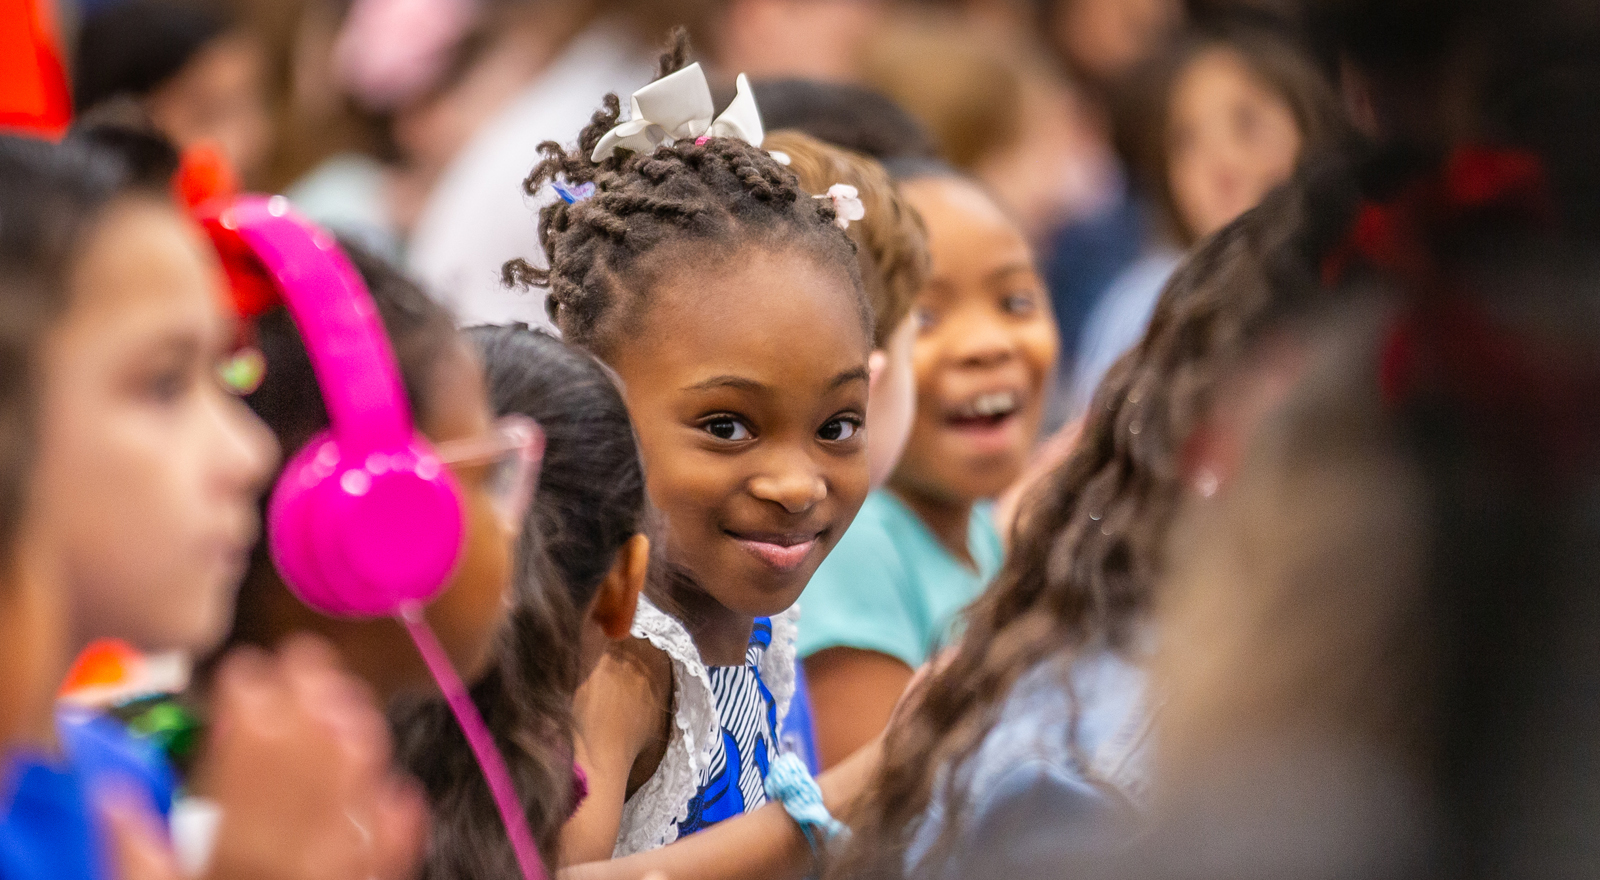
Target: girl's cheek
[(474, 606)]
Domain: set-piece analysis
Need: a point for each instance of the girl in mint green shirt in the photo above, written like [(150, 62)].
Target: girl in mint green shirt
[(924, 547), (891, 587)]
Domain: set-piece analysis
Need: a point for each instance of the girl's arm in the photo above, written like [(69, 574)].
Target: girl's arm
[(853, 693), (762, 845), (623, 711)]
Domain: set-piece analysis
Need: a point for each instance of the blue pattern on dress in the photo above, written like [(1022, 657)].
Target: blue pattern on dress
[(748, 714)]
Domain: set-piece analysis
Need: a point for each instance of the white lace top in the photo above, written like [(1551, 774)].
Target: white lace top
[(651, 818)]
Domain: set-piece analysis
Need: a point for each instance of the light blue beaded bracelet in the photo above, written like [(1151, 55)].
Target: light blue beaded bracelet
[(789, 783)]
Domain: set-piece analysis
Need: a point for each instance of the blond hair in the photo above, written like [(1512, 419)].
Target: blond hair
[(891, 242)]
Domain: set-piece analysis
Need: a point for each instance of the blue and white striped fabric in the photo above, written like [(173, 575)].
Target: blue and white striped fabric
[(734, 782)]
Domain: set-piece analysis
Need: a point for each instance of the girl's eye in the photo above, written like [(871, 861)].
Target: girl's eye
[(727, 428), (925, 318), (168, 386), (840, 430), (1020, 304)]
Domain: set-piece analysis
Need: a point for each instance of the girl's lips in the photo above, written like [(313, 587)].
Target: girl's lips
[(782, 552), (987, 436)]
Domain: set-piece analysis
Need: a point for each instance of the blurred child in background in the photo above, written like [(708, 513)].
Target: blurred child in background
[(444, 383), (581, 563), (496, 577), (1233, 111), (924, 546), (194, 73), (1040, 715)]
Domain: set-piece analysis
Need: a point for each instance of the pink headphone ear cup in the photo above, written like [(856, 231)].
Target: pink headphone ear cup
[(290, 523), (358, 539)]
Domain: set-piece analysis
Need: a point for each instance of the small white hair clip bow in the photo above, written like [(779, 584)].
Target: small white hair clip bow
[(847, 207), (678, 107)]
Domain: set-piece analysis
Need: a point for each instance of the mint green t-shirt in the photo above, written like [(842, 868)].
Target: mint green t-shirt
[(891, 587)]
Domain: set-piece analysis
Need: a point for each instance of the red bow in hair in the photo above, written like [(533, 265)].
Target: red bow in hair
[(1474, 182), (1445, 341), (207, 184), (34, 97)]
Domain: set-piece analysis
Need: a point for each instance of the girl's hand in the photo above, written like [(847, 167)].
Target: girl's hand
[(139, 849), (299, 762)]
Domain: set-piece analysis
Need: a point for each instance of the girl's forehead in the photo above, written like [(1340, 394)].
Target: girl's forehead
[(140, 265), (967, 233), (762, 311), (455, 396)]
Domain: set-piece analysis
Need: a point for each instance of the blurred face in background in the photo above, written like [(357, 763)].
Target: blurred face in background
[(986, 345), (220, 96), (1231, 138), (811, 39), (1104, 39)]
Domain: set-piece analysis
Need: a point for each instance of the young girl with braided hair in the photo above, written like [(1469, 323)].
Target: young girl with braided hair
[(730, 304)]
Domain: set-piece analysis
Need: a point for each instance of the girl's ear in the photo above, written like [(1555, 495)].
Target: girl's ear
[(875, 364), (618, 596)]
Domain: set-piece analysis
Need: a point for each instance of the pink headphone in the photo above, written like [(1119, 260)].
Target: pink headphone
[(365, 521), (365, 517)]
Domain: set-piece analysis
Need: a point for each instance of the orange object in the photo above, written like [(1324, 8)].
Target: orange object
[(105, 663), (205, 181), (34, 95)]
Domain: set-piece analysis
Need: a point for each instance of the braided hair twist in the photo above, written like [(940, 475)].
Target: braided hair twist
[(653, 211)]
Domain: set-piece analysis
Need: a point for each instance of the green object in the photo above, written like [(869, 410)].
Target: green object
[(164, 721), (243, 372)]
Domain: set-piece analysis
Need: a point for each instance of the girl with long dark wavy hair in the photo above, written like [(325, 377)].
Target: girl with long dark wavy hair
[(1044, 695)]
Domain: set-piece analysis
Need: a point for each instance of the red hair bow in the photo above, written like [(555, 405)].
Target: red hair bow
[(207, 184)]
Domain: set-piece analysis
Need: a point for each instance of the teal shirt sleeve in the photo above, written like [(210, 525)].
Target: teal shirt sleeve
[(857, 599)]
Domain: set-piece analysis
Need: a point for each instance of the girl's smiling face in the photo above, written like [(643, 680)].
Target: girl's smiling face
[(747, 382), (986, 346)]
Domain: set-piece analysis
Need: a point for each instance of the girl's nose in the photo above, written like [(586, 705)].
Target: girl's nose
[(797, 487), (983, 341), (247, 452)]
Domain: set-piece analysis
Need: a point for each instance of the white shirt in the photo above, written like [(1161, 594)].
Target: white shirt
[(477, 217)]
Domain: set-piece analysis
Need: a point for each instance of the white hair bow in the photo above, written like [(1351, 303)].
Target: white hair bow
[(678, 107)]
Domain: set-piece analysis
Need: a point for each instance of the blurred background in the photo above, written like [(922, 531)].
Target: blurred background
[(1118, 132)]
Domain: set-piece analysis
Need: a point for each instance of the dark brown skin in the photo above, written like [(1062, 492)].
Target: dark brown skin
[(859, 689), (750, 426), (473, 606), (985, 328)]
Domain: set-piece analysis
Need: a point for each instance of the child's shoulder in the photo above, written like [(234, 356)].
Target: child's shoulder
[(635, 672)]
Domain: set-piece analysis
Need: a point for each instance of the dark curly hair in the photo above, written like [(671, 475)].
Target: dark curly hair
[(654, 213)]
